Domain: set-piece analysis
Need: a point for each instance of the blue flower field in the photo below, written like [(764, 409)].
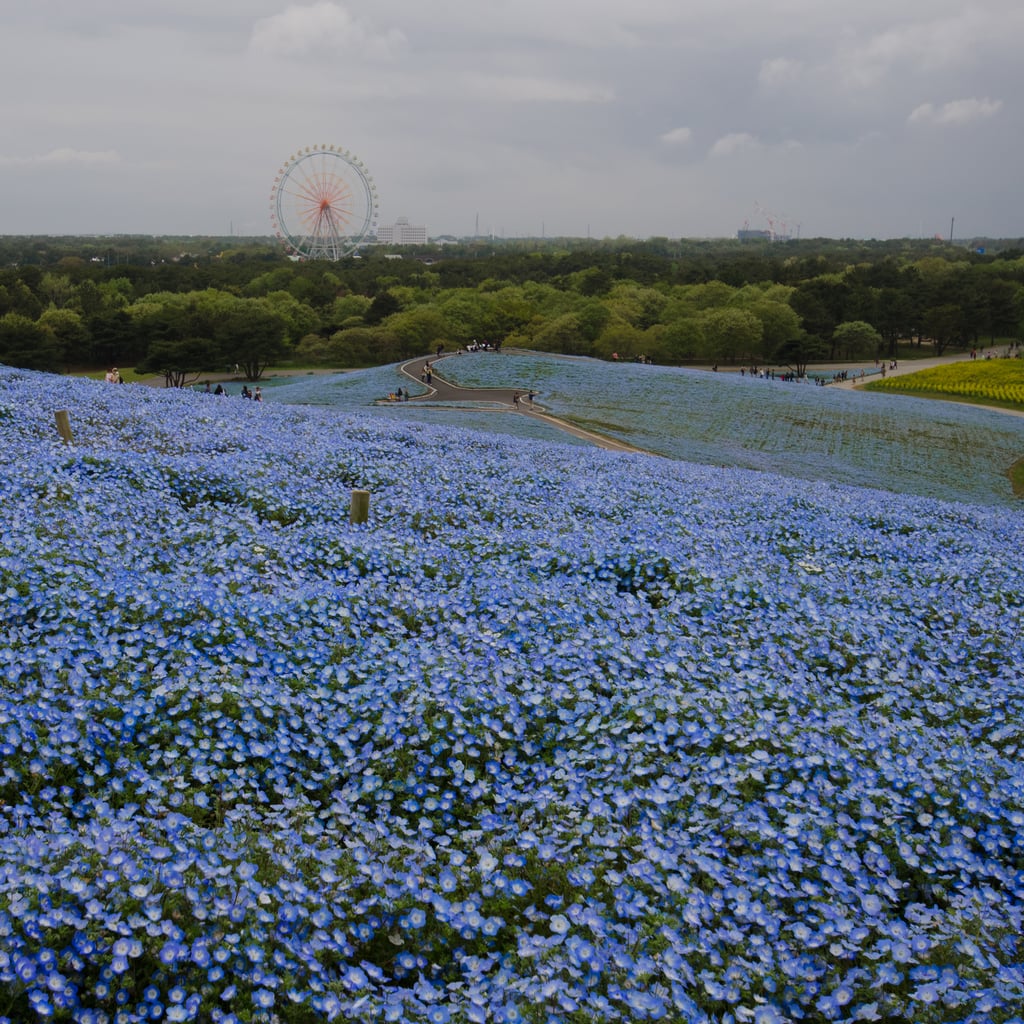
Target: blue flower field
[(559, 735), (909, 445)]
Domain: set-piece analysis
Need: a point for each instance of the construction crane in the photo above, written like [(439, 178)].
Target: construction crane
[(780, 233)]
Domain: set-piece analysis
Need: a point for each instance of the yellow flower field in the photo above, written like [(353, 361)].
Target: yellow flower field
[(997, 381)]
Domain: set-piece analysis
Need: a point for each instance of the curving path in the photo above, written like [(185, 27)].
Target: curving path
[(441, 390)]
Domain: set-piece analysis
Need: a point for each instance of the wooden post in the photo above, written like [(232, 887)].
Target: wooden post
[(360, 510), (64, 425)]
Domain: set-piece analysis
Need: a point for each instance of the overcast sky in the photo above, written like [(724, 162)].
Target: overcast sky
[(682, 118)]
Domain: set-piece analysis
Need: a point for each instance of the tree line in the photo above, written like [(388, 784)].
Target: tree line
[(182, 307)]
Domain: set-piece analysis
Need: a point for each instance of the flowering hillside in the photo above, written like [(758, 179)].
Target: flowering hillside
[(894, 442), (558, 735)]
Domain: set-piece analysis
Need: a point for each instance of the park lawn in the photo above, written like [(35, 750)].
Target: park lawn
[(997, 382)]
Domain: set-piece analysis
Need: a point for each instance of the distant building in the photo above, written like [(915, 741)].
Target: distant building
[(752, 235), (402, 233)]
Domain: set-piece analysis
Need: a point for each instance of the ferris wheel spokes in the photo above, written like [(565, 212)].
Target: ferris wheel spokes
[(323, 203)]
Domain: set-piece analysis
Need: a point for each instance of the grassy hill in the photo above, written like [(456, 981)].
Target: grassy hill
[(559, 734), (907, 445)]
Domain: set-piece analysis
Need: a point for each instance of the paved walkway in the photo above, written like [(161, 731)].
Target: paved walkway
[(906, 366), (440, 390), (913, 365)]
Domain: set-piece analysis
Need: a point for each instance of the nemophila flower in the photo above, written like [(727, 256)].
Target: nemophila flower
[(171, 951), (263, 998), (559, 924), (807, 727)]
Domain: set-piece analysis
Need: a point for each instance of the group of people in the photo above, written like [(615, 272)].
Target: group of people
[(113, 376), (516, 396), (645, 360), (1012, 351), (255, 396)]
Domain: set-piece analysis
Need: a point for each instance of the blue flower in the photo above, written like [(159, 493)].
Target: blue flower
[(263, 998)]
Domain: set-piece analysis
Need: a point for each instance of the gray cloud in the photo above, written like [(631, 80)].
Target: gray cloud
[(667, 117), (956, 111)]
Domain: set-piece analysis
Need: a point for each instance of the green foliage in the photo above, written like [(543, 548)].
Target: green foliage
[(799, 351), (418, 329), (28, 344), (731, 334), (383, 305), (856, 339), (251, 336), (563, 334), (179, 360), (571, 295)]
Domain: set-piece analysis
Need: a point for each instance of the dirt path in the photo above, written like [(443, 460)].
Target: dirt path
[(155, 380)]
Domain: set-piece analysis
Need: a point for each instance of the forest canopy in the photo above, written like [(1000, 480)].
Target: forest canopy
[(180, 306)]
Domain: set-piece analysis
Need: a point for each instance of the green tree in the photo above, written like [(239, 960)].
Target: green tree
[(71, 335), (359, 346), (895, 316), (855, 338), (593, 317), (28, 344), (821, 305), (641, 307), (344, 308), (17, 297), (467, 316), (298, 318), (88, 299), (511, 311), (731, 334), (384, 304), (593, 281), (562, 334), (946, 325), (620, 340), (251, 335), (180, 361), (418, 329), (779, 323), (799, 352), (56, 290), (683, 339), (115, 339)]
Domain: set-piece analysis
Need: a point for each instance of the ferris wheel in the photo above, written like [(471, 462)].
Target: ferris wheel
[(324, 203)]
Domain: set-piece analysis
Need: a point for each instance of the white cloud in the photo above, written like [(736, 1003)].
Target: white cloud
[(322, 28), (779, 71), (735, 142), (926, 45), (677, 136), (64, 156), (956, 111)]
